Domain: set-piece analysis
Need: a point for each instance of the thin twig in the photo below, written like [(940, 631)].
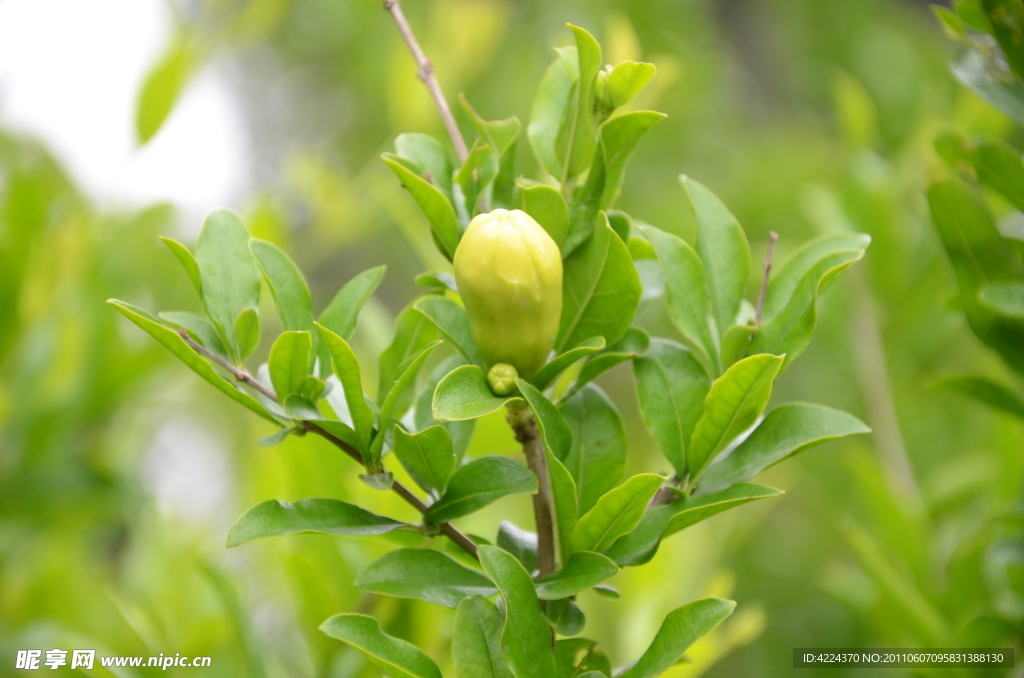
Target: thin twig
[(773, 237), (426, 74), (525, 428), (449, 530)]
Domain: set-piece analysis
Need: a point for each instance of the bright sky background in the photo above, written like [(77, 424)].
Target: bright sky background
[(70, 71)]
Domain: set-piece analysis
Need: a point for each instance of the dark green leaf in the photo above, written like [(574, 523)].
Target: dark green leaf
[(584, 570), (578, 658), (633, 344), (566, 616), (681, 628), (520, 543), (991, 161), (476, 174), (465, 394), (188, 262), (394, 405), (413, 333), (671, 388), (547, 374), (992, 80), (480, 483), (341, 314), (425, 575), (394, 656), (176, 345), (615, 513), (453, 323), (427, 456), (548, 208), (600, 290), (986, 391), (526, 639), (289, 361), (476, 640), (688, 304), (691, 510), (786, 431), (429, 155), (431, 200), (1007, 20), (273, 518), (735, 401), (597, 457)]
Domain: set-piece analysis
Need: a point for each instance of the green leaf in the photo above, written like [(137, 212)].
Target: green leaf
[(391, 407), (1004, 298), (688, 304), (520, 543), (578, 658), (230, 278), (346, 369), (566, 616), (275, 439), (247, 332), (188, 262), (199, 328), (671, 388), (723, 248), (465, 394), (476, 640), (735, 401), (576, 141), (991, 161), (427, 456), (553, 428), (526, 639), (992, 81), (786, 431), (437, 280), (430, 156), (600, 290), (301, 408), (394, 656), (480, 483), (176, 345), (626, 80), (735, 343), (619, 137), (382, 480), (273, 518), (431, 200), (287, 286), (461, 432), (547, 374), (681, 628), (615, 513), (423, 574), (341, 314), (691, 510), (951, 23), (548, 208), (413, 333), (476, 174), (1007, 20), (584, 570), (634, 343), (549, 108), (985, 391), (597, 457), (162, 87), (790, 332), (289, 362), (452, 321), (502, 136)]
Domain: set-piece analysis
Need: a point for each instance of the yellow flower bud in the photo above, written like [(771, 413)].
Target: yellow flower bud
[(509, 274)]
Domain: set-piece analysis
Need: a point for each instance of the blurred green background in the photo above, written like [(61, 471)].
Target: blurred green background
[(120, 472)]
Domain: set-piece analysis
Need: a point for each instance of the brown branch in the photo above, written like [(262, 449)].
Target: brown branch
[(773, 237), (450, 531), (525, 428), (426, 74)]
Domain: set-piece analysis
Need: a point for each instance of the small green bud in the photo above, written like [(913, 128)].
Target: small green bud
[(502, 379)]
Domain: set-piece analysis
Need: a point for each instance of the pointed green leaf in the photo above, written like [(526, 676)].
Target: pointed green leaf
[(671, 388), (346, 369), (526, 638), (723, 248), (413, 333), (578, 658), (597, 456), (273, 518), (476, 640), (476, 174), (520, 543), (275, 439), (549, 108), (555, 432), (575, 143), (584, 570), (736, 342), (615, 514), (619, 137), (480, 483), (786, 431), (431, 200), (461, 432), (162, 88), (289, 361), (423, 574), (229, 277), (634, 343), (394, 405), (502, 136), (600, 290), (394, 656), (188, 262), (1007, 19), (465, 394), (176, 345), (341, 314), (691, 510), (547, 374), (427, 456), (626, 80), (452, 322), (199, 328), (287, 286), (247, 332), (548, 208), (301, 408), (688, 304), (735, 401), (430, 156), (681, 628), (383, 480)]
